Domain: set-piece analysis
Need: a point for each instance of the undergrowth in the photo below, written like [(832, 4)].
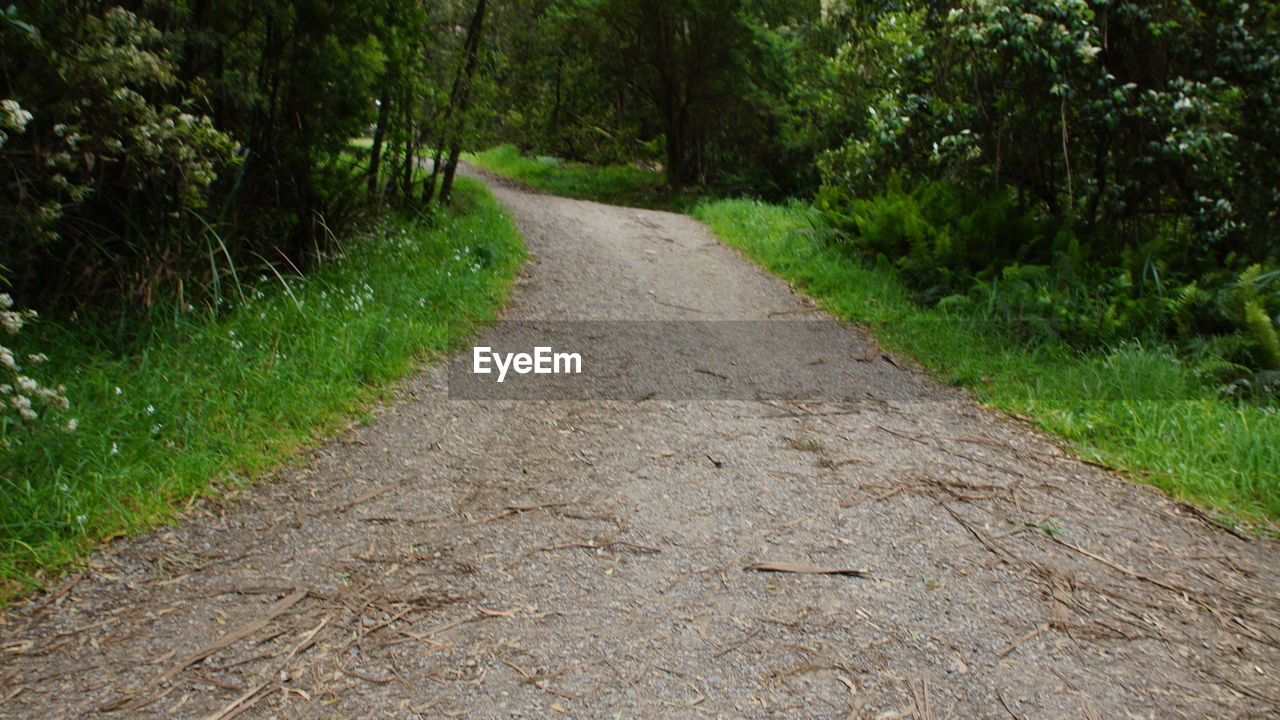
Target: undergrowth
[(1045, 278), (196, 402)]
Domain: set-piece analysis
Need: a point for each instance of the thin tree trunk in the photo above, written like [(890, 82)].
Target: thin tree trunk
[(410, 149), (678, 165), (446, 186), (553, 124), (460, 98), (429, 185), (379, 134)]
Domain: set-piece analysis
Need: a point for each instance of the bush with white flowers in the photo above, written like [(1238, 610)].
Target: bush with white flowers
[(22, 398)]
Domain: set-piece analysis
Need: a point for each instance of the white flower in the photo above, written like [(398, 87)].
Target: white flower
[(1087, 52), (115, 448), (11, 321), (13, 116), (72, 424)]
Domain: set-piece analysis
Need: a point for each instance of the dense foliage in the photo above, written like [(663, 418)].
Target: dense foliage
[(1090, 170), (699, 89), (1082, 170), (156, 151)]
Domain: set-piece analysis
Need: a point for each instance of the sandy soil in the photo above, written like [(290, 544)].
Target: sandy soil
[(502, 559)]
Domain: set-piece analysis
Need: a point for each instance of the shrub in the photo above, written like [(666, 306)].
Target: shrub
[(98, 165), (22, 398)]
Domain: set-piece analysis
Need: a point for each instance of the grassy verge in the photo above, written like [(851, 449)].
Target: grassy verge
[(626, 185), (1132, 407), (201, 401)]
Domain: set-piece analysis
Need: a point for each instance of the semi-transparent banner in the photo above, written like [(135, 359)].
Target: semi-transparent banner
[(795, 360)]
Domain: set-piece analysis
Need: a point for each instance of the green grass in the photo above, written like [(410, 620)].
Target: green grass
[(1135, 408), (626, 185), (198, 404)]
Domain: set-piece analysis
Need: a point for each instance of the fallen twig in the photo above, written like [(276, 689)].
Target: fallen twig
[(1014, 645), (804, 568), (599, 546), (57, 597), (343, 507), (516, 509), (252, 696), (223, 642), (1122, 569)]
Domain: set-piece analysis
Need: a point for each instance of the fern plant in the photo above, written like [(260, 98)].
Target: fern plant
[(1262, 330)]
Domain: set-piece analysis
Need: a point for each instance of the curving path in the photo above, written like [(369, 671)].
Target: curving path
[(506, 559)]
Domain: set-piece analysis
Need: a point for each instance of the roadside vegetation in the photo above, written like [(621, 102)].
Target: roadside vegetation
[(220, 273), (196, 400)]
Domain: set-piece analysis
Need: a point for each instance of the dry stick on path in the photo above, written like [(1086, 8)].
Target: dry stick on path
[(517, 509), (255, 694), (57, 597), (600, 546), (1186, 594), (804, 568), (365, 497), (953, 453), (986, 542), (1014, 645), (533, 680), (1175, 589), (221, 643)]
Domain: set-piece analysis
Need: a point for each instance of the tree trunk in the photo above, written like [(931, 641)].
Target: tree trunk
[(459, 99), (446, 186), (678, 167), (429, 186), (379, 134), (410, 152)]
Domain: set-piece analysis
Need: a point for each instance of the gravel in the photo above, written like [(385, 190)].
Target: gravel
[(497, 559)]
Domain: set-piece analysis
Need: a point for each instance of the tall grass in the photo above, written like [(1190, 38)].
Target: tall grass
[(627, 185), (1138, 408), (197, 401)]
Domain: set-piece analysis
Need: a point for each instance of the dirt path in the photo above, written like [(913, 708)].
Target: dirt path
[(585, 559)]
